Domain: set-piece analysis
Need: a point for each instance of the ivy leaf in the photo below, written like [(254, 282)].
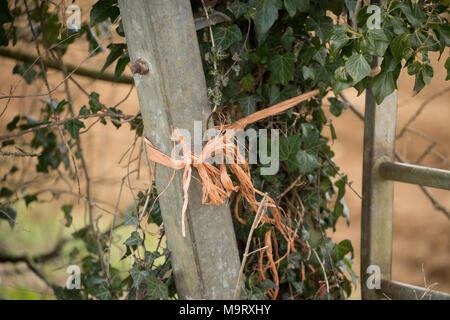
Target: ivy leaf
[(138, 275), (130, 219), (308, 73), (29, 198), (102, 292), (357, 67), (102, 10), (150, 257), (423, 77), (94, 106), (287, 39), (73, 127), (320, 56), (10, 214), (378, 40), (282, 67), (238, 8), (289, 146), (291, 7), (156, 289), (67, 209), (302, 5), (341, 249), (25, 71), (339, 39), (271, 93), (400, 45), (340, 74), (117, 50), (336, 106), (247, 82), (84, 111), (134, 239), (306, 162), (5, 192), (5, 15), (13, 124), (383, 85), (248, 104), (266, 15), (322, 25), (225, 36), (121, 64), (414, 15)]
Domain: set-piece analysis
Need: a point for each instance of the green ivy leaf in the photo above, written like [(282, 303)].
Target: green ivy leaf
[(357, 67), (340, 250), (104, 9), (400, 45), (247, 82), (306, 162), (73, 127), (156, 289), (10, 214), (13, 124), (5, 15), (336, 106), (271, 93), (25, 71), (248, 104), (413, 13), (287, 39), (423, 77), (310, 138), (95, 107), (266, 15), (383, 85), (138, 275), (134, 239), (339, 39), (131, 219), (67, 209), (102, 292), (308, 73), (29, 198), (322, 25), (121, 64), (302, 5), (289, 146), (282, 67), (224, 37), (117, 50), (291, 7), (84, 111), (5, 192), (238, 8)]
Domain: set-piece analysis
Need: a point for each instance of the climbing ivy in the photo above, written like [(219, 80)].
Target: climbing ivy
[(268, 51)]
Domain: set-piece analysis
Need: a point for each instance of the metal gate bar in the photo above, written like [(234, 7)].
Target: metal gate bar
[(401, 291), (379, 173), (424, 176)]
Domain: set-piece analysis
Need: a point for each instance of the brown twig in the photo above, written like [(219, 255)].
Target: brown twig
[(256, 221)]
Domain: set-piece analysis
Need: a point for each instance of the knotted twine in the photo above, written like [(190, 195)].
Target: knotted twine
[(217, 185)]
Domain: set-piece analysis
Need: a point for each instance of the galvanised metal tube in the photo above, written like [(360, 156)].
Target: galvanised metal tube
[(424, 176), (399, 291)]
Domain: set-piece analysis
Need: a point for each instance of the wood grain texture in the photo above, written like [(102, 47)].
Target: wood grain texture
[(173, 94)]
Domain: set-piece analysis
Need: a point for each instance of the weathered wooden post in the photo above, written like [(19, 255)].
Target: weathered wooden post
[(173, 94)]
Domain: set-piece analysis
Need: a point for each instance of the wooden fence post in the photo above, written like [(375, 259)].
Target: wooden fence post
[(173, 94)]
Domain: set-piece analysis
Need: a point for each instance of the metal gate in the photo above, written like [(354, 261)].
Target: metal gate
[(379, 173)]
